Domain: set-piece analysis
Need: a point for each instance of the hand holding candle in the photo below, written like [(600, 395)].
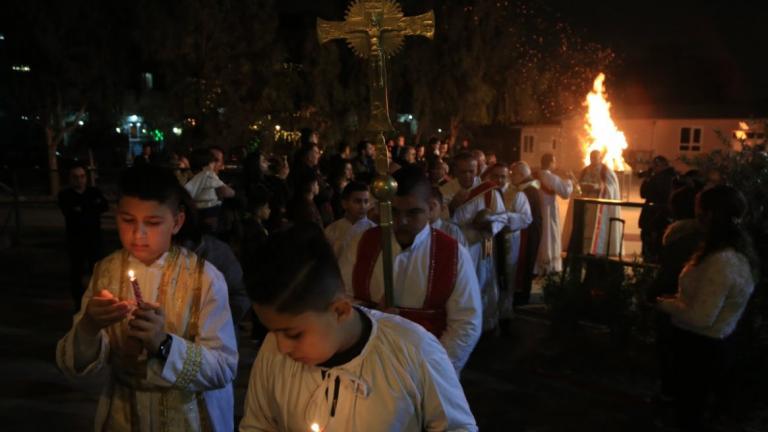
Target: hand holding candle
[(136, 289)]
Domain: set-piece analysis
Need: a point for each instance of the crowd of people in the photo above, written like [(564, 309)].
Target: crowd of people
[(295, 248)]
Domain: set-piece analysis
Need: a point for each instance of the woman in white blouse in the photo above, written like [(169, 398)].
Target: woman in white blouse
[(713, 291)]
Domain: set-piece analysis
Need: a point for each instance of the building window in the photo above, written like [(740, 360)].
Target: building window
[(528, 144), (690, 139)]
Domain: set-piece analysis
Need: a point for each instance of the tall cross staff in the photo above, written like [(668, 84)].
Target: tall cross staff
[(376, 29)]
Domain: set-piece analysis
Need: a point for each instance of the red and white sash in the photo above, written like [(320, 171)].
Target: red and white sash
[(443, 264)]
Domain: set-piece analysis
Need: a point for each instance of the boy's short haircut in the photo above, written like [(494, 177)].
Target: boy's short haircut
[(296, 271), (152, 183), (352, 187), (200, 158), (412, 180), (464, 156)]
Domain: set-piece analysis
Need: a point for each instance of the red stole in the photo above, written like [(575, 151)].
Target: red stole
[(483, 188), (443, 263)]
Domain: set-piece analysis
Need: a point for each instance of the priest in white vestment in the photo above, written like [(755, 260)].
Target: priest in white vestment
[(597, 180), (549, 258), (518, 218), (479, 211)]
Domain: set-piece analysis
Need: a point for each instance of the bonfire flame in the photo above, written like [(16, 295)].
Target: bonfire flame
[(603, 135), (741, 134)]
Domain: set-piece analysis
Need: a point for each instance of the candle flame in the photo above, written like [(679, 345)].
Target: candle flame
[(315, 427), (131, 275), (603, 133)]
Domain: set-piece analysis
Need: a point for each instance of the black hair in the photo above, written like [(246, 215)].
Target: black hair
[(352, 187), (343, 146), (303, 181), (464, 156), (77, 164), (682, 203), (301, 154), (200, 158), (433, 161), (159, 184), (433, 140), (362, 145), (727, 208), (296, 271), (412, 180), (337, 169)]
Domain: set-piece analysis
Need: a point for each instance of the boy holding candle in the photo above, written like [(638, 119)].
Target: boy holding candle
[(341, 367), (170, 345)]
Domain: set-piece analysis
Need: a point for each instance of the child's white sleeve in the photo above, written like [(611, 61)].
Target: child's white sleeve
[(257, 415), (443, 402), (210, 361), (77, 355)]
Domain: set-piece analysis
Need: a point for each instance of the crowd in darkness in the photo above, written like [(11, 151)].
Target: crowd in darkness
[(691, 228)]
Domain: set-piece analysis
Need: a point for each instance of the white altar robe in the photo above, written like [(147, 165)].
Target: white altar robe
[(402, 381), (341, 232), (206, 365), (410, 270), (549, 259), (450, 228), (518, 218), (597, 229), (485, 266)]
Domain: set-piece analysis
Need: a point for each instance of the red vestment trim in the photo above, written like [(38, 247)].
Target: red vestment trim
[(443, 269)]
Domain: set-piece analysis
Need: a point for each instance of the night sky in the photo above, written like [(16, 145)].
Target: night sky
[(680, 51), (674, 52)]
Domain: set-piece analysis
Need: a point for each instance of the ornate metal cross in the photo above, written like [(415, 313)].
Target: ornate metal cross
[(376, 29)]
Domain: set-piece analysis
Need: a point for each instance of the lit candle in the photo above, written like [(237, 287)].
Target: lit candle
[(315, 427), (135, 286)]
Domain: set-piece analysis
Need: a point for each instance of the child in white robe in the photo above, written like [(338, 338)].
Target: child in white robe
[(329, 366), (356, 201), (168, 342)]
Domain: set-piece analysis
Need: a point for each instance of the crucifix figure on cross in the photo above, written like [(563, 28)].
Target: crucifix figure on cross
[(376, 29)]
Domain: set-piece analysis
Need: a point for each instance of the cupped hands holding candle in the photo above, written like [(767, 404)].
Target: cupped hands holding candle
[(148, 323), (103, 310)]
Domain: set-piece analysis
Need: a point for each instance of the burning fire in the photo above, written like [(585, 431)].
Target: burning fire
[(603, 133), (741, 134)]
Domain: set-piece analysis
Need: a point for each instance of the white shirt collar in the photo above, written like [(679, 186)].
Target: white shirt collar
[(419, 239), (158, 263)]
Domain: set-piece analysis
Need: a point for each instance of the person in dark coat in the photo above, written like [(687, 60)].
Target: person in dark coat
[(654, 217), (82, 206)]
